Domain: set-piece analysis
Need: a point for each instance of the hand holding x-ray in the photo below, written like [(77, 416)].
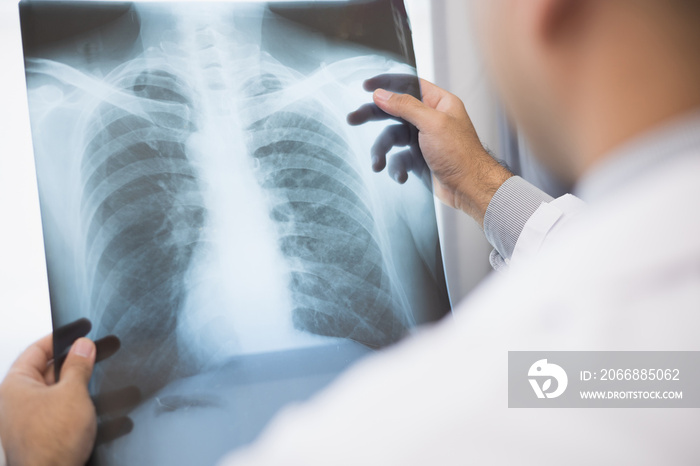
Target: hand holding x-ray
[(437, 131), (45, 398), (109, 406)]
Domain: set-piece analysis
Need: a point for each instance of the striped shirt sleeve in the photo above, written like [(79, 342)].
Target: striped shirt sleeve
[(508, 212)]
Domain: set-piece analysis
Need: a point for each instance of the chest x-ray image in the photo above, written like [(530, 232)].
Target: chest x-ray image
[(204, 200)]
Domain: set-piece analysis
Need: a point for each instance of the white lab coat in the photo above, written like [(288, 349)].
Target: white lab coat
[(625, 275), (621, 274)]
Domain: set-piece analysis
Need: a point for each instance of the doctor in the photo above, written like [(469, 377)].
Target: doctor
[(607, 92)]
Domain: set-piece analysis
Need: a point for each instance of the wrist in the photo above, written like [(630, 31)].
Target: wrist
[(475, 191)]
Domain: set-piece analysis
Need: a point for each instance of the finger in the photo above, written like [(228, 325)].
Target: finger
[(418, 164), (77, 368), (409, 161), (431, 93), (50, 374), (367, 113), (65, 336), (35, 359), (400, 164), (117, 400), (406, 107), (401, 83), (109, 431), (106, 347), (395, 135), (439, 99)]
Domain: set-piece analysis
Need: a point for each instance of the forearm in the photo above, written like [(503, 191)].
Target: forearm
[(485, 176)]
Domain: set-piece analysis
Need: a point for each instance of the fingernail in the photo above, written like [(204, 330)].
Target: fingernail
[(83, 348), (381, 94)]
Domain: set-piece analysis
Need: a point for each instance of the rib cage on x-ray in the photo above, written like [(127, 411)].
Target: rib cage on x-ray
[(142, 210), (340, 284)]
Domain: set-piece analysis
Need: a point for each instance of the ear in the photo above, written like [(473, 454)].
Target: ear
[(551, 21)]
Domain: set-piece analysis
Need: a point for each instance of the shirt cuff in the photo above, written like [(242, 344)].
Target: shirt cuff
[(498, 263), (508, 212)]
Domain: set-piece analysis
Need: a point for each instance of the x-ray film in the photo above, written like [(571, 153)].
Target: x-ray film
[(205, 202)]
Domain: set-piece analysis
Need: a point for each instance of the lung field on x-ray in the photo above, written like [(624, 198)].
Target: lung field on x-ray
[(221, 206), (142, 211), (339, 280)]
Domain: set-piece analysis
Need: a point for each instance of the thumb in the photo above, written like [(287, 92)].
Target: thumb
[(77, 368), (404, 106)]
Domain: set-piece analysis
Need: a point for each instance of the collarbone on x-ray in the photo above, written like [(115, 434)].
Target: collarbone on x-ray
[(208, 200)]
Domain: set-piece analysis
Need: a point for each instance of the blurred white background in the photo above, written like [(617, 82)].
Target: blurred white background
[(445, 53), (24, 297)]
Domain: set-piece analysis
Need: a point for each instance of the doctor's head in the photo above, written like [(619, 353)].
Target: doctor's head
[(582, 76)]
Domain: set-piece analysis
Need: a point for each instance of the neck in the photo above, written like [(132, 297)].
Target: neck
[(636, 83)]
